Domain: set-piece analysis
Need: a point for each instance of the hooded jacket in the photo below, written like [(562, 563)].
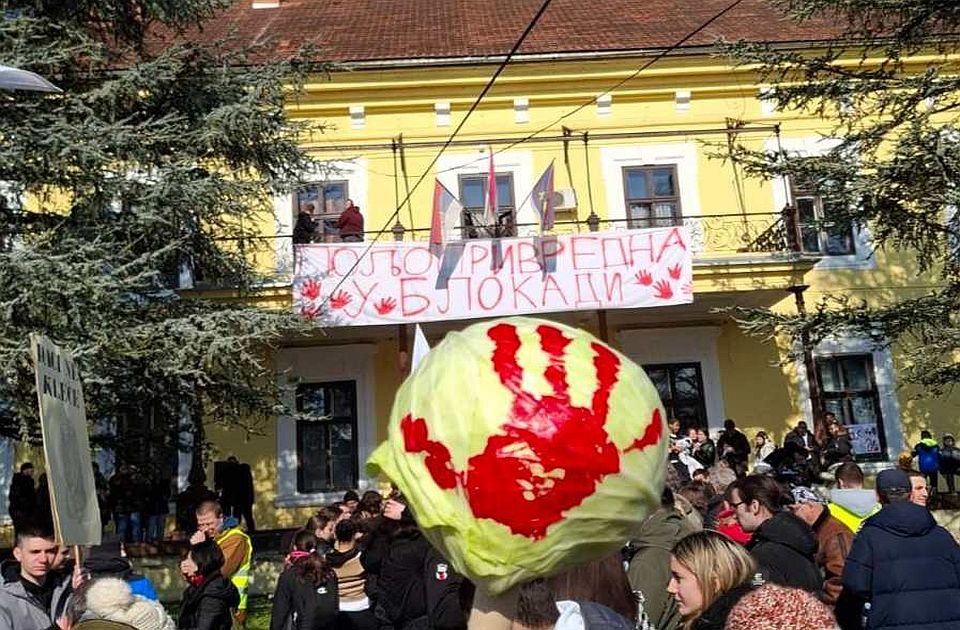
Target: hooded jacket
[(907, 567), (19, 610), (311, 607), (207, 607), (649, 570), (784, 548), (853, 506)]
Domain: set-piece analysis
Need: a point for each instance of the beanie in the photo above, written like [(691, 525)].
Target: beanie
[(145, 615), (106, 596), (773, 607)]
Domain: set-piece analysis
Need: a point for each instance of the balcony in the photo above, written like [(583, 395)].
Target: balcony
[(744, 239)]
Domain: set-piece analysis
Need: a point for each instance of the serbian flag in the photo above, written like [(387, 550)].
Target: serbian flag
[(542, 199), (490, 204), (447, 210)]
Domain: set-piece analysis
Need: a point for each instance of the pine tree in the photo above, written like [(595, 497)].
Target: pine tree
[(895, 170), (163, 153)]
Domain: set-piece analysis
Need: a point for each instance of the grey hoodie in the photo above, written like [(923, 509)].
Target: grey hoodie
[(21, 611)]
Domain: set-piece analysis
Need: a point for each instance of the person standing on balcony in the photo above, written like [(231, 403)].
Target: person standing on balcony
[(350, 224)]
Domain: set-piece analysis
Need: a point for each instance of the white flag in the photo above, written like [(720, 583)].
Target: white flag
[(420, 348)]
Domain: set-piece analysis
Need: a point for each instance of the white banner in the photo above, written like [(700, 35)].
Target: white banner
[(343, 284), (66, 445)]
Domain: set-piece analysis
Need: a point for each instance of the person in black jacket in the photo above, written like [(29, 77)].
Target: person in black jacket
[(416, 587), (207, 602), (903, 564), (733, 445), (306, 596), (22, 499), (782, 544), (838, 448)]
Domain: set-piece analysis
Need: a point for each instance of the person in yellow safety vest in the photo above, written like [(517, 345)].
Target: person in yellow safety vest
[(850, 502), (236, 547)]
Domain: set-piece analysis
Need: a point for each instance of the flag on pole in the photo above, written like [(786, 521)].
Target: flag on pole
[(447, 210), (542, 199), (490, 204), (420, 348)]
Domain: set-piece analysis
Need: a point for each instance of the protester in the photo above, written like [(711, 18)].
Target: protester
[(22, 497), (43, 512), (306, 593), (157, 508), (539, 608), (927, 452), (838, 448), (773, 607), (919, 492), (649, 562), (602, 581), (196, 493), (111, 599), (904, 565), (371, 504), (949, 461), (806, 442), (126, 499), (733, 445), (351, 500), (356, 612), (350, 224), (850, 502), (704, 450), (106, 560), (709, 574), (782, 544), (35, 598), (762, 446), (679, 448), (324, 526), (700, 494), (726, 521), (206, 604), (416, 586), (102, 488), (305, 228), (236, 548), (833, 539)]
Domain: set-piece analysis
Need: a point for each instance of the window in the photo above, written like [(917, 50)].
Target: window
[(473, 193), (680, 386), (327, 446), (820, 232), (324, 202), (652, 196), (849, 390)]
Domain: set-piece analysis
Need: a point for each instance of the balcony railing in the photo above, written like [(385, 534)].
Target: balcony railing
[(723, 236)]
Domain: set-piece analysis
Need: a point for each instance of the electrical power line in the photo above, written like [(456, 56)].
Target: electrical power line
[(476, 103), (500, 68)]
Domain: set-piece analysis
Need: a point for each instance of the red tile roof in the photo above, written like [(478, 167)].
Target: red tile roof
[(365, 30)]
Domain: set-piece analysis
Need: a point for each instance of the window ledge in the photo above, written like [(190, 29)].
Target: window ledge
[(852, 261), (316, 499)]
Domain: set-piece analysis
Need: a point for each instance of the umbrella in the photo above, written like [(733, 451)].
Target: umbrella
[(17, 79)]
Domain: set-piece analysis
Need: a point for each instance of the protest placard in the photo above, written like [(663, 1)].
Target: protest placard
[(66, 445)]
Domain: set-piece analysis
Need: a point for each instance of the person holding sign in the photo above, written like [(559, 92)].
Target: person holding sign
[(38, 598)]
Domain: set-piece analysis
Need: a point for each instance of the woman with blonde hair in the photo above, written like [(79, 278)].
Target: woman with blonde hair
[(709, 574)]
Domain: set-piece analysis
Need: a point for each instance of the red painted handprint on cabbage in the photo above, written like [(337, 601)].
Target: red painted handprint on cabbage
[(549, 455)]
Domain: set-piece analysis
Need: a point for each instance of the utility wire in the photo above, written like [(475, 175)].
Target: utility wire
[(476, 103), (500, 68)]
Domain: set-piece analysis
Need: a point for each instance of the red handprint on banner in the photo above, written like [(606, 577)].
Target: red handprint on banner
[(674, 271), (385, 306), (310, 289), (339, 299), (644, 278), (663, 290), (310, 312), (687, 288)]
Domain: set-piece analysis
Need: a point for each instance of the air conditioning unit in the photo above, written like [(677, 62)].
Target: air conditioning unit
[(565, 199)]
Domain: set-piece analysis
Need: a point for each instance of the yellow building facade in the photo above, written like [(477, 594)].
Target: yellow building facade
[(631, 150), (637, 156)]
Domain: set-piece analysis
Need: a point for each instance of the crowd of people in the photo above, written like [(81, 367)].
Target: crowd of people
[(738, 543)]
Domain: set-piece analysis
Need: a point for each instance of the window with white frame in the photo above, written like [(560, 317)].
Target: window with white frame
[(327, 446), (473, 195), (680, 386), (323, 202), (651, 195), (821, 227), (849, 390)]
